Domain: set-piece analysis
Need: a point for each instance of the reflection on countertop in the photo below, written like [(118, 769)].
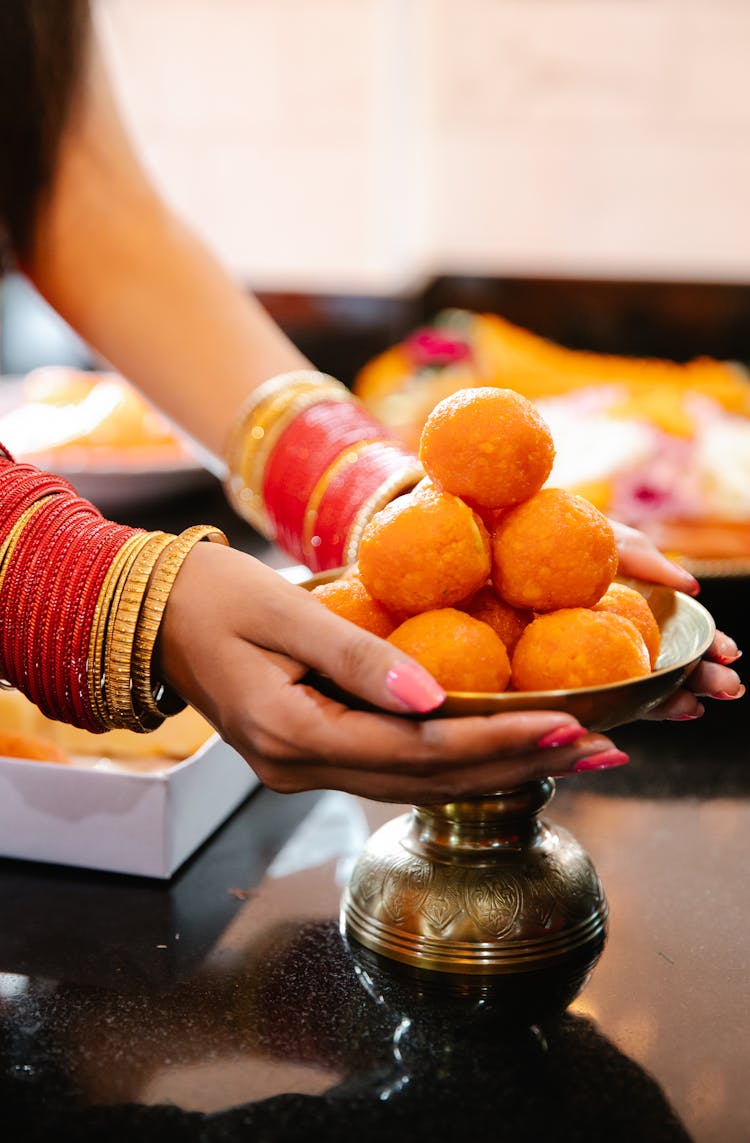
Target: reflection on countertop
[(227, 1004)]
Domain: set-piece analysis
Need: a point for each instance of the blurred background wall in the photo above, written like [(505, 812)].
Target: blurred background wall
[(582, 166), (356, 145)]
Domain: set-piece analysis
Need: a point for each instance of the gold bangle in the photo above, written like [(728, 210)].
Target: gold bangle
[(154, 603), (144, 702), (119, 656), (97, 635), (116, 664), (401, 481), (295, 378), (294, 381)]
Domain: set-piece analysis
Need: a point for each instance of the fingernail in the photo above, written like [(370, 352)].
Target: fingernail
[(687, 717), (601, 761), (560, 736), (725, 660), (725, 694), (414, 687), (690, 583)]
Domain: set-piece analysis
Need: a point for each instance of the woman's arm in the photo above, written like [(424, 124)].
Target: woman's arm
[(113, 259)]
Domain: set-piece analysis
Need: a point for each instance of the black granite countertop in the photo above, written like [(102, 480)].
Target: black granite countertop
[(226, 1005)]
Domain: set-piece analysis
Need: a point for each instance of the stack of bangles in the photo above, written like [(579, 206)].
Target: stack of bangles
[(81, 602), (308, 467)]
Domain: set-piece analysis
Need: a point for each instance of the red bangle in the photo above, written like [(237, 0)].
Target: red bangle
[(72, 666), (54, 588), (22, 486), (303, 453), (19, 584), (378, 473), (44, 572)]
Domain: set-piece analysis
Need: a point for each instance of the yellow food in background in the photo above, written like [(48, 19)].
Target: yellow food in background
[(68, 411), (508, 355), (177, 738)]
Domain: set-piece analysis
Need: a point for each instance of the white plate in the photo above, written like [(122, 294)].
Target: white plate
[(140, 477)]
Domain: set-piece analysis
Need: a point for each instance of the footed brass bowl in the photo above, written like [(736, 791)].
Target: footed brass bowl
[(484, 889)]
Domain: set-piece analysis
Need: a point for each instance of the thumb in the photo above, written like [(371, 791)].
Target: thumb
[(361, 663), (221, 593)]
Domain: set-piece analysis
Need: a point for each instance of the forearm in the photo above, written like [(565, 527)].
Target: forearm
[(140, 288)]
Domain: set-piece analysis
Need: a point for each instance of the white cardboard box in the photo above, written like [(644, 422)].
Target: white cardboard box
[(145, 824)]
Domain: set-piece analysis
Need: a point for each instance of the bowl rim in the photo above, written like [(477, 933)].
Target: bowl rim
[(539, 699)]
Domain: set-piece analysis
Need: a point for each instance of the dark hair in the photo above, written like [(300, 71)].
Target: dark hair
[(41, 46)]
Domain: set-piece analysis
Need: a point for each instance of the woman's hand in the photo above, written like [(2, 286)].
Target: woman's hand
[(713, 677), (237, 642)]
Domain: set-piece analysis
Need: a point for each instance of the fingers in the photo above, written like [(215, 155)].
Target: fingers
[(681, 706), (723, 649), (715, 681), (445, 783), (710, 679), (263, 609), (640, 558), (326, 745), (359, 662)]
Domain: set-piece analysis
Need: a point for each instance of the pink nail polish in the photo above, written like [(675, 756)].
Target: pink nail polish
[(685, 717), (601, 761), (560, 736), (725, 660), (414, 687), (725, 694)]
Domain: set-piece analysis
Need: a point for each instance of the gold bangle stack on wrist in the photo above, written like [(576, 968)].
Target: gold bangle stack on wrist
[(308, 467), (127, 617)]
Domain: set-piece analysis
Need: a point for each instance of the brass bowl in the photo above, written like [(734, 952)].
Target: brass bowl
[(484, 889), (687, 631)]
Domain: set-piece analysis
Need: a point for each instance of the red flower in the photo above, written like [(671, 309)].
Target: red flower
[(431, 347)]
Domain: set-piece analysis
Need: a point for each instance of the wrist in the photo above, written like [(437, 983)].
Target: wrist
[(308, 467)]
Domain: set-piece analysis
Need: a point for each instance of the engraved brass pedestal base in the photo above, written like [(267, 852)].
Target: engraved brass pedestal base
[(477, 888)]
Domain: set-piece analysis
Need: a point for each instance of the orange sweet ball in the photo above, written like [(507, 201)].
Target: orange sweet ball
[(578, 647), (424, 551), (461, 652), (349, 598), (626, 601), (554, 550), (489, 446), (507, 622)]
